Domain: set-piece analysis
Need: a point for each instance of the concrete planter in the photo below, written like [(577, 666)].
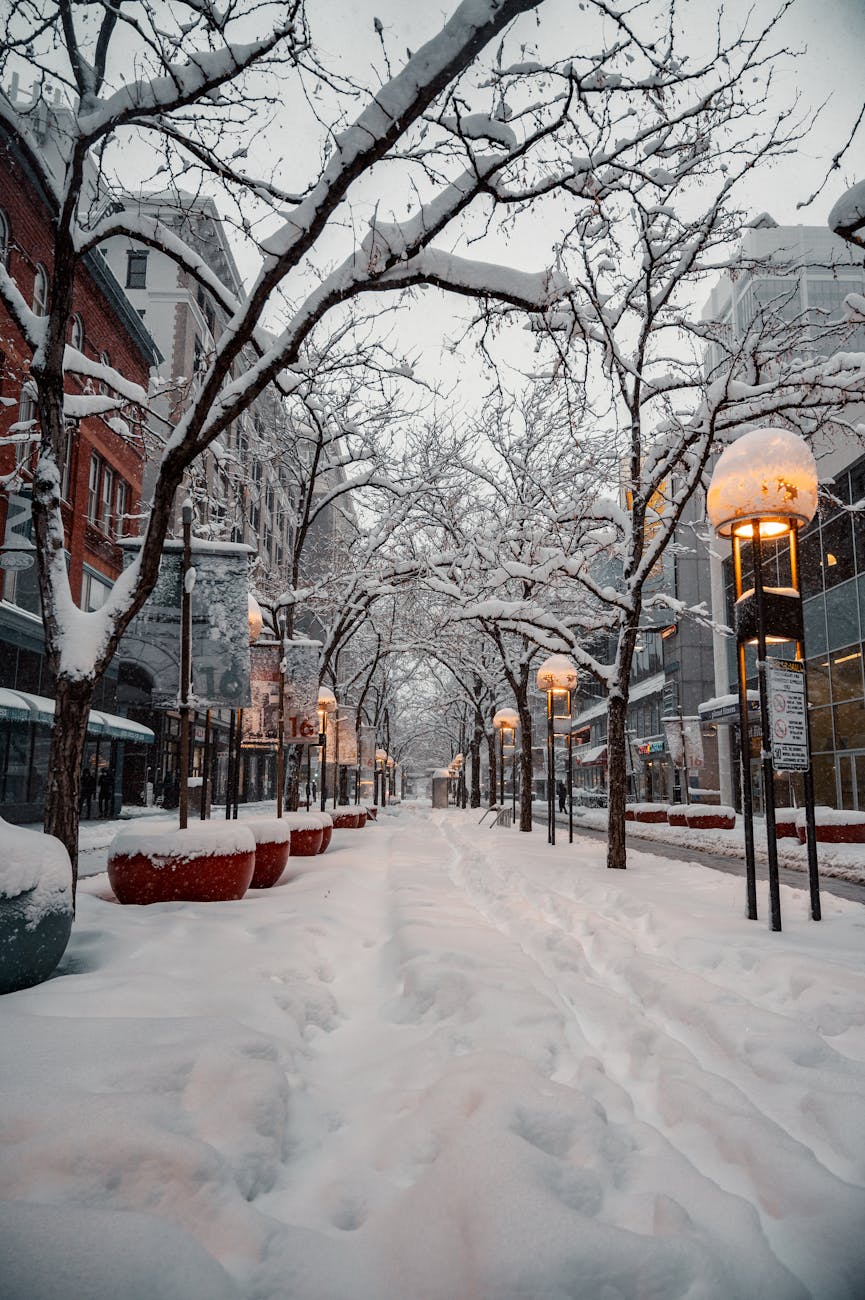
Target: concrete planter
[(307, 833), (833, 826), (272, 847), (677, 814), (209, 862), (650, 812), (785, 823), (326, 831), (711, 818), (35, 906)]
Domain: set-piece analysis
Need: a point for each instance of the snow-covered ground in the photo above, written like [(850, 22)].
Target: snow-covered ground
[(442, 1062)]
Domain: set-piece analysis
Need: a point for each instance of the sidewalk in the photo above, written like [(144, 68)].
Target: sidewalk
[(844, 861)]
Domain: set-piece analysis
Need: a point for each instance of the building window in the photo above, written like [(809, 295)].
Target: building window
[(94, 590), (121, 507), (5, 239), (106, 500), (93, 487), (40, 291), (26, 417), (66, 475), (136, 268), (76, 333)]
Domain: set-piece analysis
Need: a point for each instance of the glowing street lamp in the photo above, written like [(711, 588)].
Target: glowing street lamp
[(326, 705), (764, 487), (505, 722), (558, 677)]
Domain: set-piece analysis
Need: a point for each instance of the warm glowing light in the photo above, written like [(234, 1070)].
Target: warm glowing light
[(381, 756), (768, 475), (326, 700), (830, 559), (507, 718), (255, 618), (557, 674)]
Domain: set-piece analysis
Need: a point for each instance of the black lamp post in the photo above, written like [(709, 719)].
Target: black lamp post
[(505, 723), (558, 677), (764, 487), (326, 705)]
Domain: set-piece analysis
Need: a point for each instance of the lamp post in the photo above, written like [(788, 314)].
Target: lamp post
[(381, 760), (558, 677), (391, 776), (326, 705), (505, 722), (185, 663), (764, 487)]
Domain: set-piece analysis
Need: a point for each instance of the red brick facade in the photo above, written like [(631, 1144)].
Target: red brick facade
[(92, 518)]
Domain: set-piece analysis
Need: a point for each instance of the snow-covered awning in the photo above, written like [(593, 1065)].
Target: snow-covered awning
[(23, 707), (590, 755)]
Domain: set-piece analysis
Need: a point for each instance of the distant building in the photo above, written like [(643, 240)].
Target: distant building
[(101, 486)]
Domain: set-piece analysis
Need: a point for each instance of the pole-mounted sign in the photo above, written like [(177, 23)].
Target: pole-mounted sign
[(785, 679)]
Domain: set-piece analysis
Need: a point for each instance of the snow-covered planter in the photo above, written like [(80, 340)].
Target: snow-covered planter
[(711, 817), (326, 831), (206, 863), (785, 823), (35, 906), (346, 817), (272, 846), (833, 826), (307, 833), (650, 812), (677, 814), (361, 817)]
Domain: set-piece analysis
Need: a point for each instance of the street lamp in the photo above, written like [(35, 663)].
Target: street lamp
[(326, 705), (391, 776), (764, 487), (381, 760), (505, 722), (558, 677)]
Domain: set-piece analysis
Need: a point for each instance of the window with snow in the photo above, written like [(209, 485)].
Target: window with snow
[(121, 508), (76, 333)]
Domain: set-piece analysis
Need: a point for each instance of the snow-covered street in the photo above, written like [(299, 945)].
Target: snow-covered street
[(441, 1062)]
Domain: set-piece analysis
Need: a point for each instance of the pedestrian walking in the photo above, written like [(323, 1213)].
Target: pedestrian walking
[(106, 793), (562, 792), (88, 789)]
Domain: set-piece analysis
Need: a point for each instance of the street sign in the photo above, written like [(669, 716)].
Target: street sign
[(788, 718)]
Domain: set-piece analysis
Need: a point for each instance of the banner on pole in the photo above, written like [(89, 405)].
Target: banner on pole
[(261, 719), (301, 691), (220, 626), (346, 721), (692, 738)]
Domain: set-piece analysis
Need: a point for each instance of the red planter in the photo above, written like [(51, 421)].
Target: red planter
[(708, 819), (194, 866), (344, 821), (326, 831), (306, 841), (836, 833), (785, 824), (361, 818), (630, 815), (677, 819), (653, 815), (372, 812)]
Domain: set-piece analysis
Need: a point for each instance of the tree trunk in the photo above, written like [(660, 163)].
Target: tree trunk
[(526, 774), (475, 751), (293, 765), (63, 792), (617, 711), (493, 757)]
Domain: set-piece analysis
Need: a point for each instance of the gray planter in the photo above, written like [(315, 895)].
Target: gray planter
[(35, 906)]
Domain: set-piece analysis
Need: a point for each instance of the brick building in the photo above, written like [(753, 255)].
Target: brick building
[(102, 480)]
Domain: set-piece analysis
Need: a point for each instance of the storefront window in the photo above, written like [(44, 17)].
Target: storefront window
[(821, 729), (814, 614), (818, 682), (846, 672), (850, 725), (838, 563), (810, 572), (825, 789), (842, 615)]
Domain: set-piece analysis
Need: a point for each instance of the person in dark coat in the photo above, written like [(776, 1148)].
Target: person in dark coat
[(563, 795), (88, 789), (157, 788), (106, 792)]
